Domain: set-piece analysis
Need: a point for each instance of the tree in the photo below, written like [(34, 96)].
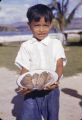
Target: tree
[(61, 6), (0, 1)]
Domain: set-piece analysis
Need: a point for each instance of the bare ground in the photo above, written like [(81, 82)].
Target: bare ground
[(11, 103)]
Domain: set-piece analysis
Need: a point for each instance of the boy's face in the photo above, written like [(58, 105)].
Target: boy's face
[(40, 29)]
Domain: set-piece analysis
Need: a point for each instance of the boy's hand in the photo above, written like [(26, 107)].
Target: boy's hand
[(23, 91), (51, 87)]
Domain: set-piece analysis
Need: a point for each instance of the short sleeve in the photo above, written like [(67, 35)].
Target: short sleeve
[(60, 53), (23, 58)]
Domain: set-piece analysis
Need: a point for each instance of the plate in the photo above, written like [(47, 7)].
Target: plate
[(54, 78)]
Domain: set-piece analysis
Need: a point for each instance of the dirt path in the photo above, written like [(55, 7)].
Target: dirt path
[(10, 102)]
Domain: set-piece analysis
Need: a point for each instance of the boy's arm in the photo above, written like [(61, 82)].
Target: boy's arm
[(23, 70), (59, 69), (23, 90)]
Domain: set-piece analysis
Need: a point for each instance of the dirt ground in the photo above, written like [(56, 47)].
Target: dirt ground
[(11, 103)]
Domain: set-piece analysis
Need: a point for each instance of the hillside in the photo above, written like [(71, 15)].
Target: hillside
[(7, 28), (15, 28)]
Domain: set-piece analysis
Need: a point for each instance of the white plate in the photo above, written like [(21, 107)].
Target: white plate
[(55, 77)]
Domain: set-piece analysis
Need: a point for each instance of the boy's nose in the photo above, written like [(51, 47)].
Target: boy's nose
[(41, 28)]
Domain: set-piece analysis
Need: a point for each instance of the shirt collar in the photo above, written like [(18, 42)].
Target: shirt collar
[(45, 41)]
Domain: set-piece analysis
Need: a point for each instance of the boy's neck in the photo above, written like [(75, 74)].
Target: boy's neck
[(39, 40)]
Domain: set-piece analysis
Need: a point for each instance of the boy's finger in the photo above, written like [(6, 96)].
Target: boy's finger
[(19, 89), (25, 91), (50, 87)]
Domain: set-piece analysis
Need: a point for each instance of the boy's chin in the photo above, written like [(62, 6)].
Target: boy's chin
[(40, 38)]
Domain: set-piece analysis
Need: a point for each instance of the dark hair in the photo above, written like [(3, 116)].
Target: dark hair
[(37, 11)]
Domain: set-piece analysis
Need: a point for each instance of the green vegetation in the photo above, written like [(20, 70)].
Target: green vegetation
[(74, 60), (61, 18), (73, 53), (7, 56)]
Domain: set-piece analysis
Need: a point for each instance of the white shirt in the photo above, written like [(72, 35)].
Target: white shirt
[(43, 54)]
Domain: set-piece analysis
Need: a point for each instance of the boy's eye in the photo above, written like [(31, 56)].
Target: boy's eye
[(42, 25), (46, 25), (37, 26)]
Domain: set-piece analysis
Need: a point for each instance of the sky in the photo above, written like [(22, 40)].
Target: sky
[(12, 11), (72, 4)]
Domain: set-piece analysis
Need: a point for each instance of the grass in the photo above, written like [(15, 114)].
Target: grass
[(74, 60), (73, 53), (7, 56)]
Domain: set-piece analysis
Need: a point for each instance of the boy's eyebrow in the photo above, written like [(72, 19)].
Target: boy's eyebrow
[(46, 23), (40, 24)]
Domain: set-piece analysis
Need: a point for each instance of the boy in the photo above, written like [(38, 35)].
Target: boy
[(41, 52)]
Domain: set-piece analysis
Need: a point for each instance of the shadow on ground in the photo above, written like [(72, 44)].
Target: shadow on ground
[(73, 93), (74, 43), (17, 101)]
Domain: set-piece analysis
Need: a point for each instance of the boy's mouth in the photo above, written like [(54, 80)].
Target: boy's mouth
[(43, 34)]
